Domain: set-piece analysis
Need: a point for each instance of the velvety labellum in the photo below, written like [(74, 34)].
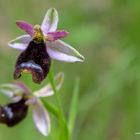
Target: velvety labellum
[(13, 113), (35, 60), (29, 67)]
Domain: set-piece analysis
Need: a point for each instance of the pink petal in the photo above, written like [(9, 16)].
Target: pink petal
[(61, 51), (52, 36), (27, 27), (50, 21), (12, 91), (23, 87), (41, 118), (7, 92), (20, 43)]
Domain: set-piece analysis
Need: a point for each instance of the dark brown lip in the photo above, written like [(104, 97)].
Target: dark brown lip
[(13, 113), (34, 60), (34, 69)]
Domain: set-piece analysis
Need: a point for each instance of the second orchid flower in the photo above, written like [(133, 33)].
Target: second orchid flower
[(21, 98)]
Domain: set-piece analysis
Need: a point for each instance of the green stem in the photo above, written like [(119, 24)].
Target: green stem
[(56, 93), (62, 120)]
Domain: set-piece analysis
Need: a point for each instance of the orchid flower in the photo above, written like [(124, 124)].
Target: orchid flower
[(39, 45), (21, 97)]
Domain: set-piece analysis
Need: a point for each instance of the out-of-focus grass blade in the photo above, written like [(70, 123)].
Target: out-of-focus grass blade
[(73, 107)]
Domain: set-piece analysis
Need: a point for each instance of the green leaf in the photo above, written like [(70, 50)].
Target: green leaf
[(73, 108), (51, 108)]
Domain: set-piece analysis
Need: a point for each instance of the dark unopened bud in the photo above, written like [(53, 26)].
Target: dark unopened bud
[(13, 113)]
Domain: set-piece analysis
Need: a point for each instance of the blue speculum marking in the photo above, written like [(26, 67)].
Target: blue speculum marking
[(30, 65)]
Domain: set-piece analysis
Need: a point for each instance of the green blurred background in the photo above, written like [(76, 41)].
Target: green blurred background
[(107, 33)]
